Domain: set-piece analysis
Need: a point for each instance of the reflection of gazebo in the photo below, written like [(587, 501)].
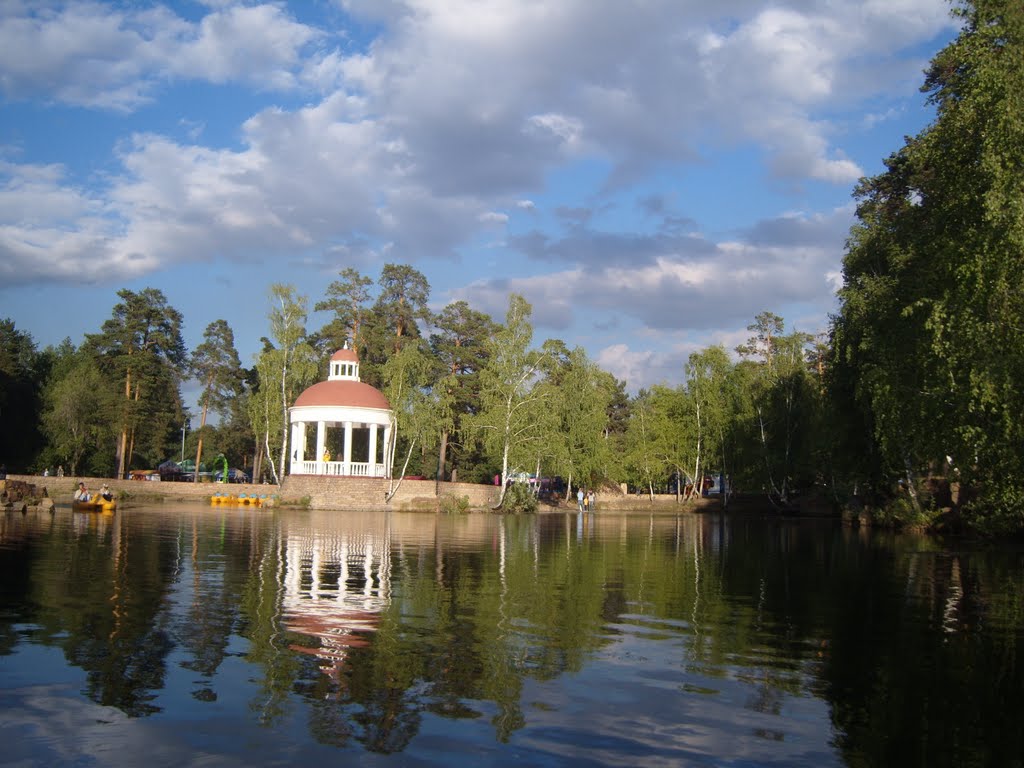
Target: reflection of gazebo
[(357, 408), (336, 587)]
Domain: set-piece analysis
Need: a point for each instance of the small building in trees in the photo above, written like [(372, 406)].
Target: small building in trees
[(351, 425)]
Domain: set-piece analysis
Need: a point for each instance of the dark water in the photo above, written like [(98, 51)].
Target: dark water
[(169, 636)]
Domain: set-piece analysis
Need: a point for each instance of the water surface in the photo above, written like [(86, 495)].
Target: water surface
[(195, 635)]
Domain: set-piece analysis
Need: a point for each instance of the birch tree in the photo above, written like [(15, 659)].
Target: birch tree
[(285, 367), (509, 400)]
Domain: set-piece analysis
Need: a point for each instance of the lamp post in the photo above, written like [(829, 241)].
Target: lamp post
[(182, 442)]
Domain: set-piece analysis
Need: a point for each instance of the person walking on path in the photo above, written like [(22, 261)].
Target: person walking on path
[(579, 498)]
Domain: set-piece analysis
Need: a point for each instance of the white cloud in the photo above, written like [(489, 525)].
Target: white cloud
[(411, 146), (627, 364), (96, 55), (258, 44)]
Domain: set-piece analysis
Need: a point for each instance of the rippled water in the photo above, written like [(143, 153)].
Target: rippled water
[(190, 635)]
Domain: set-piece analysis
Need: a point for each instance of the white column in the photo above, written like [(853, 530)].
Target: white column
[(321, 440), (348, 447), (373, 450)]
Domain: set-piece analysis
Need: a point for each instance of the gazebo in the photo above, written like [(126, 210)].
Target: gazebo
[(342, 402)]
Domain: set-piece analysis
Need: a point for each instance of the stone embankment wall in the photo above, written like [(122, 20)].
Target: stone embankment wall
[(349, 493), (354, 494), (358, 493), (61, 489)]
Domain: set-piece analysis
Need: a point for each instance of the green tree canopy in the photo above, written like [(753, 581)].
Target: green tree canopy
[(142, 344)]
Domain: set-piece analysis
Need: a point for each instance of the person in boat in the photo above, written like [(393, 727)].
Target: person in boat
[(105, 493), (82, 494)]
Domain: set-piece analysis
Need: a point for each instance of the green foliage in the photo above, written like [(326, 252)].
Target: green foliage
[(900, 512), (215, 364), (929, 340), (459, 345), (511, 407), (348, 299), (284, 371), (519, 500), (20, 397), (416, 411), (637, 459), (450, 504), (575, 416), (141, 348)]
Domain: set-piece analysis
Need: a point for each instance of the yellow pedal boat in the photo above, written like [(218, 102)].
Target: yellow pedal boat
[(94, 505), (240, 500)]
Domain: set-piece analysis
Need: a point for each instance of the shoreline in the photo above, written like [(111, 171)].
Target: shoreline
[(362, 494)]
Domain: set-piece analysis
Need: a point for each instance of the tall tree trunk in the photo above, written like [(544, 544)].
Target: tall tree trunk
[(122, 446), (129, 453), (284, 424), (504, 473), (442, 456), (199, 448), (394, 486), (257, 460), (911, 487)]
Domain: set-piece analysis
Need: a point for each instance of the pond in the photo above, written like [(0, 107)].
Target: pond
[(189, 635)]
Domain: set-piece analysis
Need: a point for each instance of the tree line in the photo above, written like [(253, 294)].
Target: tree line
[(472, 398), (910, 404)]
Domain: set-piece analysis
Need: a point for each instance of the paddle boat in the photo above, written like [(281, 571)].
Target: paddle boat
[(98, 504), (241, 500)]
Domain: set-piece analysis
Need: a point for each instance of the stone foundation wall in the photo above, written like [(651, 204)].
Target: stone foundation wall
[(353, 494), (358, 493), (345, 493), (61, 489)]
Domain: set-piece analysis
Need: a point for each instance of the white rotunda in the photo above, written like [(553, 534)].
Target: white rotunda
[(346, 403)]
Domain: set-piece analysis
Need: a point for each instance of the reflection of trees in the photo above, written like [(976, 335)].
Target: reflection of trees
[(107, 604), (929, 676), (371, 644), (216, 569)]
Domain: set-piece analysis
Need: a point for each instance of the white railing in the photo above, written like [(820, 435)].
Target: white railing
[(338, 468)]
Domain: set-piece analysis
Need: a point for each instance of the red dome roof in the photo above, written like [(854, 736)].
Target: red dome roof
[(345, 354), (345, 392)]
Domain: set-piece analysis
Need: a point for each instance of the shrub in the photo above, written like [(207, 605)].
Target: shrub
[(519, 499), (451, 504)]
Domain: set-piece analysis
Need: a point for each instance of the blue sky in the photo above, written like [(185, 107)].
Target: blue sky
[(650, 175)]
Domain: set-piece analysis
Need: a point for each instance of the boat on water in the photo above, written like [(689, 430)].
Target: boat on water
[(239, 500), (98, 504)]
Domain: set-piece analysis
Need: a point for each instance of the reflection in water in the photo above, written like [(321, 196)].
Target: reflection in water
[(336, 585), (601, 638)]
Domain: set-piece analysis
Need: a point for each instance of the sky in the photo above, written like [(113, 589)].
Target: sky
[(649, 174)]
